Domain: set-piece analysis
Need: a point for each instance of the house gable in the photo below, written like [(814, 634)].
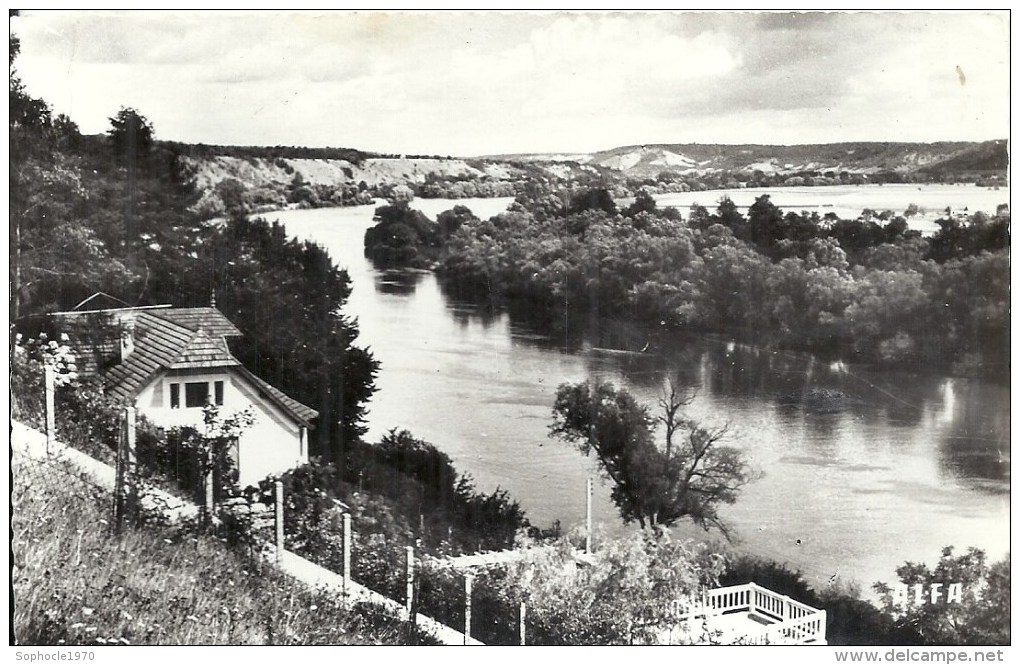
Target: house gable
[(203, 351), (163, 341)]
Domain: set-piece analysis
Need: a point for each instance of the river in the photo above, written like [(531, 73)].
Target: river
[(863, 469), (847, 201)]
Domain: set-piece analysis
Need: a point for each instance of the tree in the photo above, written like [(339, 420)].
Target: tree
[(980, 616), (643, 202), (26, 112), (451, 220), (402, 235), (401, 196), (727, 213), (765, 220), (66, 134), (593, 199), (629, 591), (131, 136), (234, 196), (689, 476)]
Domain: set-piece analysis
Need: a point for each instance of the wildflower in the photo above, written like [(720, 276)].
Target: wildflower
[(87, 611), (313, 608), (77, 625), (191, 617), (64, 337)]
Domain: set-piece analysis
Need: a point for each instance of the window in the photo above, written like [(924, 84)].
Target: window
[(219, 393), (175, 395), (196, 394)]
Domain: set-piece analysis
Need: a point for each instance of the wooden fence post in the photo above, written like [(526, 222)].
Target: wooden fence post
[(119, 481), (409, 593), (348, 545), (130, 465), (278, 504), (523, 615), (468, 579), (587, 513), (50, 384), (125, 491), (209, 486)]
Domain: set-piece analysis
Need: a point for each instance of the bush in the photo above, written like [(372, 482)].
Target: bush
[(483, 521), (180, 458), (627, 592), (83, 416)]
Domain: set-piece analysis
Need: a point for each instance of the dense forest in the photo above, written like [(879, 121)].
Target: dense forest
[(867, 289)]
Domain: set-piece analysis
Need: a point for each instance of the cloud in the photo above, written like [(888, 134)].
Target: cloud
[(481, 82)]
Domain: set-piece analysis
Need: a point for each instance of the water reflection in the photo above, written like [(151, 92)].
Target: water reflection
[(824, 428), (976, 445), (398, 282), (466, 314)]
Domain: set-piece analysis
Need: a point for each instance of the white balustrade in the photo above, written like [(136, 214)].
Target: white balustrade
[(793, 621)]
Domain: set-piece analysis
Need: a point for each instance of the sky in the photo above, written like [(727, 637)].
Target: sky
[(477, 83)]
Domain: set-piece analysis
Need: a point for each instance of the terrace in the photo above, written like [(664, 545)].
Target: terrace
[(751, 614)]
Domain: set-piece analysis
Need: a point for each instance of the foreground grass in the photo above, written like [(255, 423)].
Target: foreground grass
[(76, 581)]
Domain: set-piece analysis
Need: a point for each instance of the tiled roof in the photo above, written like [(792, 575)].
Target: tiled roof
[(94, 339), (301, 412), (203, 351), (209, 319), (157, 343)]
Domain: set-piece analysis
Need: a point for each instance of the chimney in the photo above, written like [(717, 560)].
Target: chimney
[(127, 339)]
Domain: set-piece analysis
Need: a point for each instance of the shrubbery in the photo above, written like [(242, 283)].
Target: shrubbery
[(401, 492), (850, 288)]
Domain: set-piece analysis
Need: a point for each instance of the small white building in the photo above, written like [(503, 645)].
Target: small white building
[(170, 362)]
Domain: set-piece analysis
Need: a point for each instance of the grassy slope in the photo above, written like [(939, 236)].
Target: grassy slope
[(76, 582)]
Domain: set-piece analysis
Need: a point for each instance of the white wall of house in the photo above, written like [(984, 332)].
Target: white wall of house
[(273, 444)]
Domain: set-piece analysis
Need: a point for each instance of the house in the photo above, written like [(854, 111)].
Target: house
[(170, 362)]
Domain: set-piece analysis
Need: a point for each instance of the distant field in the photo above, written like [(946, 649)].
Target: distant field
[(847, 201)]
